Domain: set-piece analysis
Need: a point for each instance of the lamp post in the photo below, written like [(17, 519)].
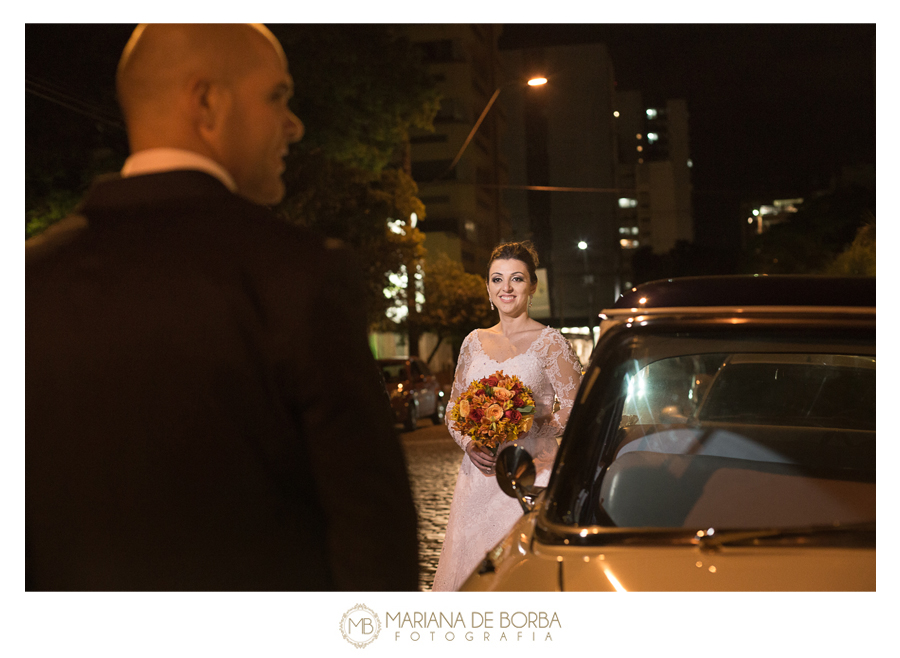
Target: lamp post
[(533, 82), (588, 283)]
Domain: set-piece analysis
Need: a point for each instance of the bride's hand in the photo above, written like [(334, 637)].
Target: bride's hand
[(483, 460)]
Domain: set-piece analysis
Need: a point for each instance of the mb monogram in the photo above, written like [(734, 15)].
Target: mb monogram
[(360, 626)]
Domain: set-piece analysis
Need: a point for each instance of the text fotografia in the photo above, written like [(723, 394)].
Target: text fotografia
[(478, 626)]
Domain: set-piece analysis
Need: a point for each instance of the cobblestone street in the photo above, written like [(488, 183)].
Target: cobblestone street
[(433, 458)]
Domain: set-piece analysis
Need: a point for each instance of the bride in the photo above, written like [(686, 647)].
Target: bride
[(481, 514)]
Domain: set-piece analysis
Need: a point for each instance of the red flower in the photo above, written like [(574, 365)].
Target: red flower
[(513, 415), (475, 415), (518, 402), (490, 381)]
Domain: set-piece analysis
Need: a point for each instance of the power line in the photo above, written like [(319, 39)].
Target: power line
[(56, 95)]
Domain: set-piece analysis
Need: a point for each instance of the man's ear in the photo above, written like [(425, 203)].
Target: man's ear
[(210, 102)]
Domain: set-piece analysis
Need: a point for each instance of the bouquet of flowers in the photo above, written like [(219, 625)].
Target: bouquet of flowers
[(494, 410)]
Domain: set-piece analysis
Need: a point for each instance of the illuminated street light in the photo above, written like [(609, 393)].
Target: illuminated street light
[(582, 245), (533, 82)]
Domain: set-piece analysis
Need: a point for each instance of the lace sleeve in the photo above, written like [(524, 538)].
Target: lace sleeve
[(459, 387), (563, 369)]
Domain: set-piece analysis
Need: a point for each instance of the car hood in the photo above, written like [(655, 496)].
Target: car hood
[(794, 568), (521, 564)]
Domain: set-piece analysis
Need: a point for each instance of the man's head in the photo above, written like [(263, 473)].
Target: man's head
[(218, 90)]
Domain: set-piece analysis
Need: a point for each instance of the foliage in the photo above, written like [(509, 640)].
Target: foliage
[(359, 89), (821, 229), (455, 301), (859, 258), (354, 206)]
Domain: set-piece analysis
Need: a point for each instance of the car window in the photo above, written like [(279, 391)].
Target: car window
[(724, 430), (423, 368), (393, 373), (745, 440)]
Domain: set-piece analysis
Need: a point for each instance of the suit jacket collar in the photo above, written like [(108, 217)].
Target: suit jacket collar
[(112, 192)]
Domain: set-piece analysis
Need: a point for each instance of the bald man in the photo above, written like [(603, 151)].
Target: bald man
[(202, 408)]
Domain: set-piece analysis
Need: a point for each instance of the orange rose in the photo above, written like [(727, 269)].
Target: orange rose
[(494, 412), (463, 408), (502, 394)]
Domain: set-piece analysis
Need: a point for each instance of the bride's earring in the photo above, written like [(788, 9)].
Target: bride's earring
[(530, 301), (491, 301)]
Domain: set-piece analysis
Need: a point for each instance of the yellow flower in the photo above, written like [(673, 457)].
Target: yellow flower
[(463, 408), (527, 422)]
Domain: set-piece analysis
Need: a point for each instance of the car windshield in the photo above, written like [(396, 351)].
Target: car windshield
[(741, 437)]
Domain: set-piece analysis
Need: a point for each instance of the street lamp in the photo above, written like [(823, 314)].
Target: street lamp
[(588, 283), (533, 82)]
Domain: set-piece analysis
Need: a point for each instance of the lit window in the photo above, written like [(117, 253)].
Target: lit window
[(628, 244), (625, 202), (652, 137), (639, 136), (640, 148), (690, 163), (396, 226), (634, 230), (651, 113)]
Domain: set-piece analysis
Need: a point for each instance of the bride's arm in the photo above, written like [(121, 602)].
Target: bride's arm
[(563, 370), (459, 387)]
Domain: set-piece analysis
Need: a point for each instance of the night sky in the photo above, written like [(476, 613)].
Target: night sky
[(775, 110)]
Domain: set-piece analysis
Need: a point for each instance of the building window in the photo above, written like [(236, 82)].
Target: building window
[(652, 113), (441, 50), (652, 137), (426, 171), (626, 243), (625, 202)]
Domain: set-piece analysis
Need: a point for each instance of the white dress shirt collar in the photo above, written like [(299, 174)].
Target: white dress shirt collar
[(156, 160)]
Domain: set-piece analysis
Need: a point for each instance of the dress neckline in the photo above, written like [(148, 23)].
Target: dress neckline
[(516, 356)]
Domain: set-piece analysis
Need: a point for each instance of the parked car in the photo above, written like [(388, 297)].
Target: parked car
[(723, 438), (414, 391)]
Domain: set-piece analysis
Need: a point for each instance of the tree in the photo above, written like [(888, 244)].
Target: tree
[(859, 257), (814, 236), (360, 88), (456, 302), (368, 211)]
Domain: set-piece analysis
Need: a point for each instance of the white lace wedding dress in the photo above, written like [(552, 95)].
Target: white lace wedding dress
[(481, 514)]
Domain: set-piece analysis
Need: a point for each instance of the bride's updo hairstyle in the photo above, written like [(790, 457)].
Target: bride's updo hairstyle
[(523, 251)]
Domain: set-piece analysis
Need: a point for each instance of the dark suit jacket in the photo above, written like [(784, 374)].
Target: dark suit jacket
[(203, 411)]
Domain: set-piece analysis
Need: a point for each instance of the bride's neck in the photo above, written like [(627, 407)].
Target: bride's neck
[(510, 326)]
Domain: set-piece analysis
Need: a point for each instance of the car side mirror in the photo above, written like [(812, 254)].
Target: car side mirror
[(515, 475)]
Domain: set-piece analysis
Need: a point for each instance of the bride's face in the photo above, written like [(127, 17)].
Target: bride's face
[(510, 287)]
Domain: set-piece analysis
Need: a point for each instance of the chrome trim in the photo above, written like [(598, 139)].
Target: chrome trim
[(709, 310)]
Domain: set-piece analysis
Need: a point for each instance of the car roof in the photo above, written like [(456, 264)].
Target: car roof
[(750, 291)]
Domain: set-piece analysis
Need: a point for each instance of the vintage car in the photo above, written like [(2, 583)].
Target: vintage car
[(723, 438), (414, 391)]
